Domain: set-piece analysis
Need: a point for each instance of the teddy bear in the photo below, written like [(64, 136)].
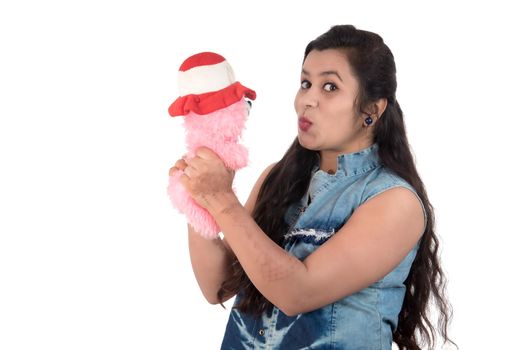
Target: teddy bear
[(215, 108)]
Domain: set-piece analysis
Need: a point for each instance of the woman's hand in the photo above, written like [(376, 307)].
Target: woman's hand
[(204, 175)]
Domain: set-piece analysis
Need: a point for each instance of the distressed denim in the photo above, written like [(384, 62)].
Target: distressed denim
[(363, 320)]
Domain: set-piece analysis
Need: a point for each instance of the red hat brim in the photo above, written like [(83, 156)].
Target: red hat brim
[(210, 101)]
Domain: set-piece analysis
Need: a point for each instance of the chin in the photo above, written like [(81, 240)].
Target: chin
[(306, 144)]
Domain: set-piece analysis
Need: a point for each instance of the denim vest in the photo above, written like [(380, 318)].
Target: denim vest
[(363, 320)]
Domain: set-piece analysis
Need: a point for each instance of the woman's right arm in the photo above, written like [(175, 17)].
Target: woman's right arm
[(211, 259)]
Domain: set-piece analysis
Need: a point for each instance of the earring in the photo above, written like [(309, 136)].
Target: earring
[(368, 121)]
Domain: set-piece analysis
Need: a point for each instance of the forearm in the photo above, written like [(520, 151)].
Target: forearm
[(210, 261), (278, 275)]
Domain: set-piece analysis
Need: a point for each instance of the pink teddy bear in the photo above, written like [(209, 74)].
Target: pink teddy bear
[(214, 109)]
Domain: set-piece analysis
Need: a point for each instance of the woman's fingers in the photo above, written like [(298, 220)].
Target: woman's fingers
[(187, 170), (179, 165)]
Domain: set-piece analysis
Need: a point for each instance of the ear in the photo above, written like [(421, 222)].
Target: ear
[(378, 107)]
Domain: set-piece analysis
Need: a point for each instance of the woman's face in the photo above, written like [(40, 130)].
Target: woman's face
[(327, 118)]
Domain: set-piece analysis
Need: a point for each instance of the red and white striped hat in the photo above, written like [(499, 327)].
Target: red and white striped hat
[(206, 83)]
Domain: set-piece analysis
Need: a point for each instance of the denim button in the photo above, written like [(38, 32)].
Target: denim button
[(261, 332)]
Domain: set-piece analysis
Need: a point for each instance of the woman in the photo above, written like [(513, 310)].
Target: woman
[(335, 247)]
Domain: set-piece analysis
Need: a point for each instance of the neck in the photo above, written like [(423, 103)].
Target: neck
[(329, 158), (328, 162)]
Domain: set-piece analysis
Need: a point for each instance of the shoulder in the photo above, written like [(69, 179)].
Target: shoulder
[(388, 187), (395, 207), (382, 180)]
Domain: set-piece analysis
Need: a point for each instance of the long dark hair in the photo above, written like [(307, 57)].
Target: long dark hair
[(374, 66)]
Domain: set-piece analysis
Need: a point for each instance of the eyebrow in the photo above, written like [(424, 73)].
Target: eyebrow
[(328, 72)]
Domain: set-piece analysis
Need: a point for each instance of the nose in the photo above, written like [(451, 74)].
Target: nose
[(309, 99), (312, 103)]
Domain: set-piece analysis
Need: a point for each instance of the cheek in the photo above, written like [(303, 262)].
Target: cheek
[(347, 110), (296, 103)]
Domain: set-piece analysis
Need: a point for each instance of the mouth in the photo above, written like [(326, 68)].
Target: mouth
[(304, 124)]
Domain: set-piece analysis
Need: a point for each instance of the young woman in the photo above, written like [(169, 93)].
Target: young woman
[(335, 247)]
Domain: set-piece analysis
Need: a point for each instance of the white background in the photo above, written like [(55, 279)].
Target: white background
[(93, 256)]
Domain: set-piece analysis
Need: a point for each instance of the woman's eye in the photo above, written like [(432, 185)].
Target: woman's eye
[(330, 87), (305, 84)]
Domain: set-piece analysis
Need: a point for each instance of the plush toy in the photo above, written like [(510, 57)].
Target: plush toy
[(214, 109)]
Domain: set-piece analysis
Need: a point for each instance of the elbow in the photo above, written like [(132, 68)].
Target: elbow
[(292, 301), (290, 312), (296, 305), (291, 308)]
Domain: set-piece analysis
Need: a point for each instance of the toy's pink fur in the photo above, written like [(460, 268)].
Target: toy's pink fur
[(220, 131)]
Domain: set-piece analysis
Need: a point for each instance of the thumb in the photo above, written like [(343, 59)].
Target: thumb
[(206, 153)]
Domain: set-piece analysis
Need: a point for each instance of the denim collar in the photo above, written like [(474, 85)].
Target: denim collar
[(351, 164)]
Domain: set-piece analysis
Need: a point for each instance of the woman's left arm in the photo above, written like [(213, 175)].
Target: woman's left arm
[(373, 241)]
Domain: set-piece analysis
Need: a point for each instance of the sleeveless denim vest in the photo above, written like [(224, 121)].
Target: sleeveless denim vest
[(363, 320)]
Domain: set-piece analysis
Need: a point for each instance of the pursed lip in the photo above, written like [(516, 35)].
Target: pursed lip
[(303, 119), (304, 124)]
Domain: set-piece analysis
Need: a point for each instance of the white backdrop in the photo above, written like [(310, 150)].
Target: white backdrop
[(93, 256)]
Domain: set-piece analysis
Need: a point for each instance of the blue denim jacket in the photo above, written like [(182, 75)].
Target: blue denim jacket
[(363, 320)]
